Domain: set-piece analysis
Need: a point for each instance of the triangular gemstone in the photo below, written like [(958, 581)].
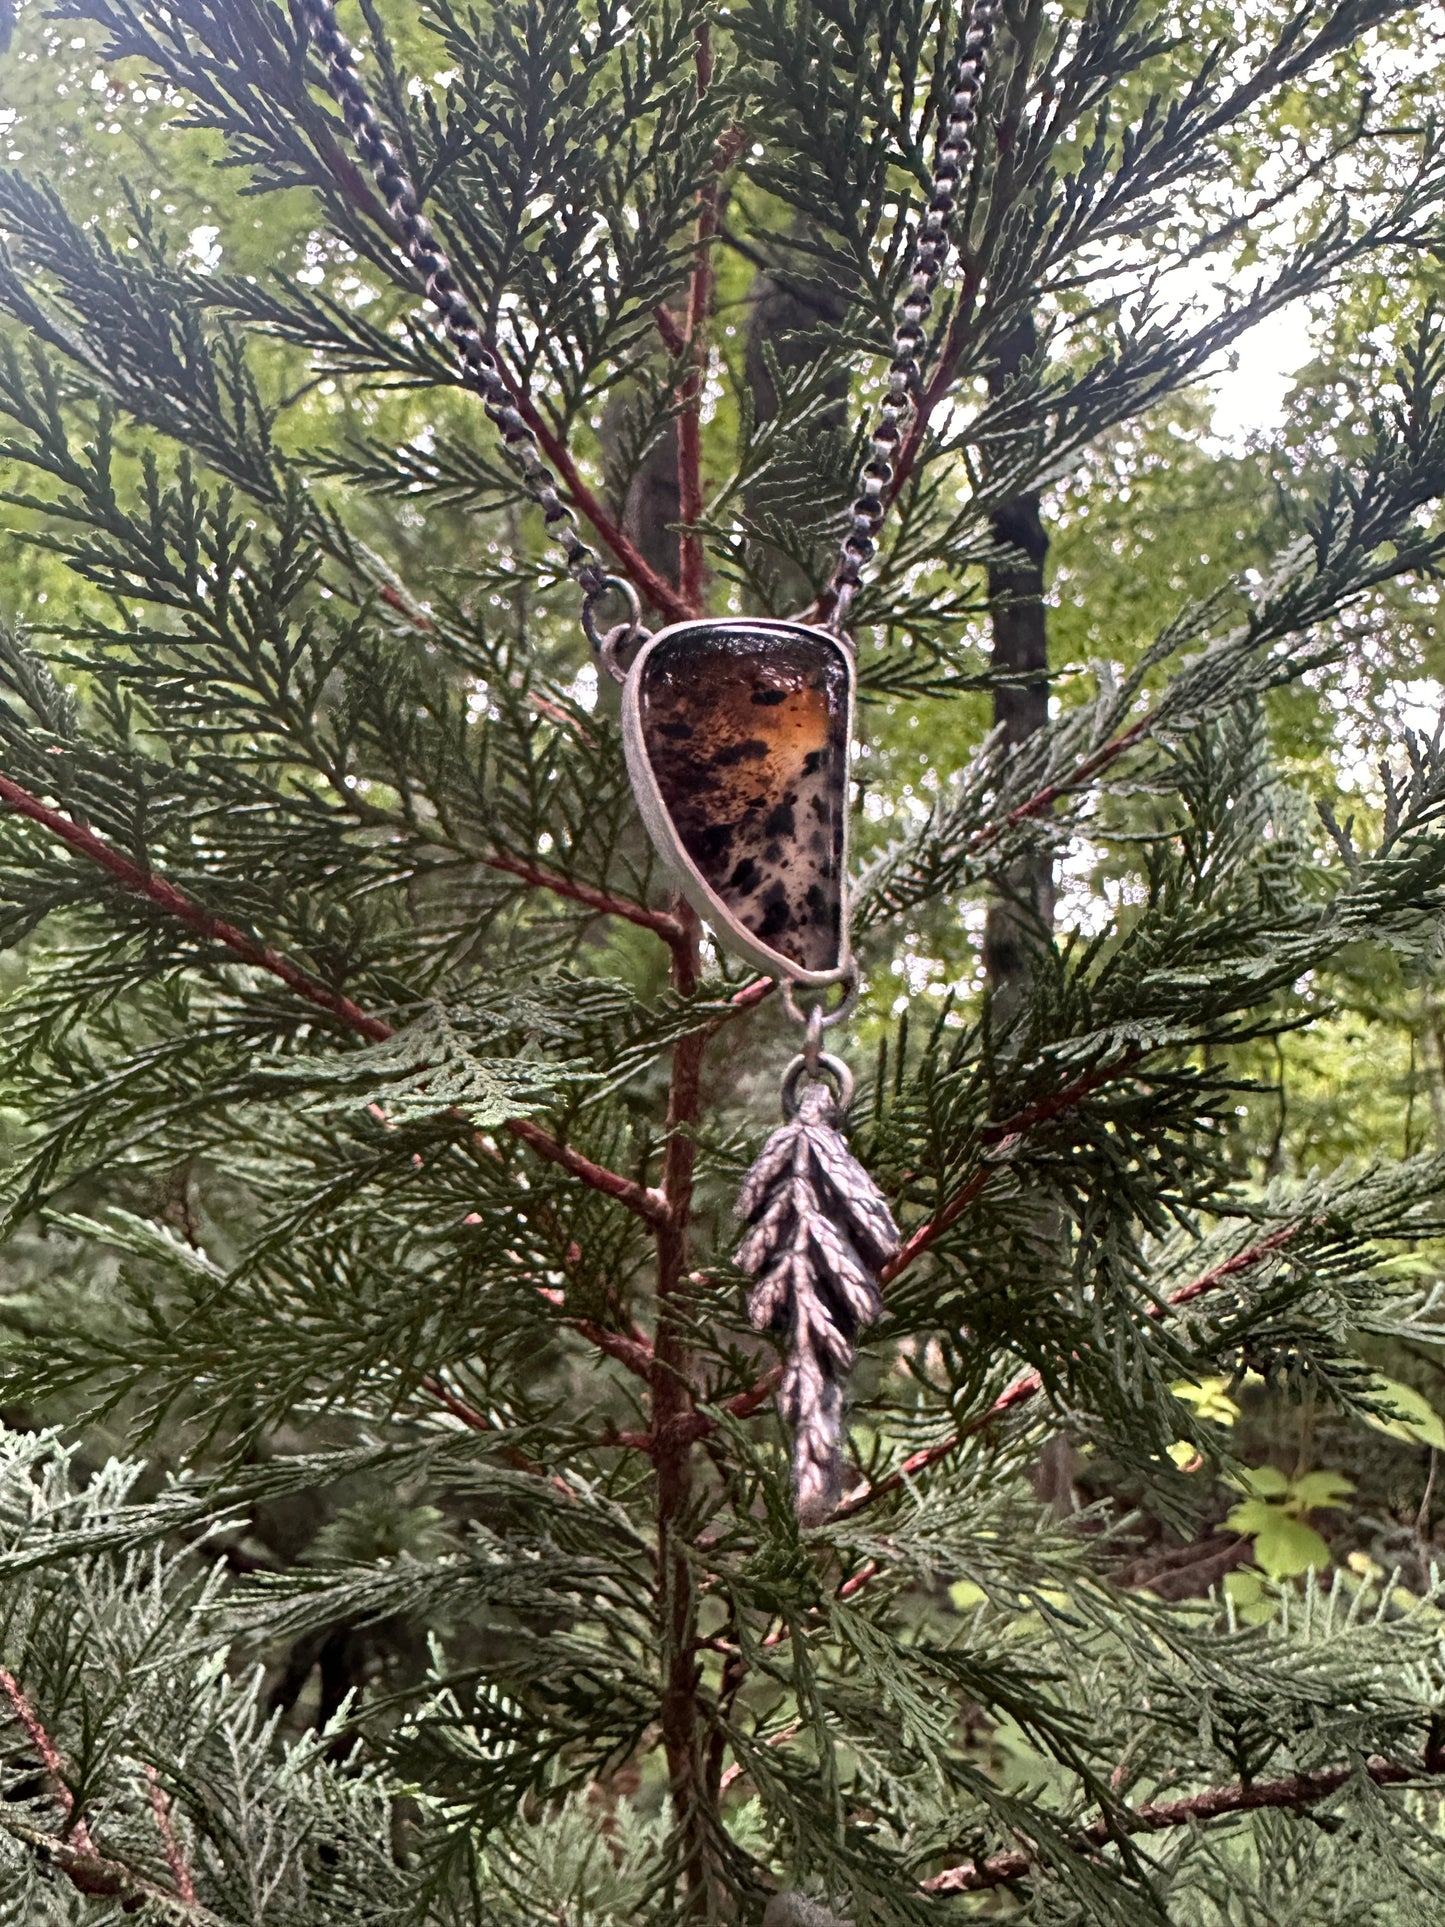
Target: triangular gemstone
[(737, 740)]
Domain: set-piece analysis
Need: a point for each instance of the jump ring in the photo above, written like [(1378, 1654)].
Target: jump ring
[(812, 1049), (837, 623), (828, 1067), (608, 644), (830, 1017), (608, 647)]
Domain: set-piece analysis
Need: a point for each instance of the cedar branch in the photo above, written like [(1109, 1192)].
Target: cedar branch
[(673, 1417), (475, 1421), (660, 593), (75, 1827), (75, 1854), (101, 1878), (165, 896), (166, 1827), (1295, 1790), (1023, 1389), (661, 922)]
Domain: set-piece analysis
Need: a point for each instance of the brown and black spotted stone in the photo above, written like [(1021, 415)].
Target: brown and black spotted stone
[(746, 731)]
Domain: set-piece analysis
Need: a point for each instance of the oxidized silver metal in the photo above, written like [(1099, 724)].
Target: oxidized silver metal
[(819, 1234), (954, 154), (658, 821)]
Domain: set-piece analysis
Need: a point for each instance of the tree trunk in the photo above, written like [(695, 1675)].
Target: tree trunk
[(1021, 918), (790, 307)]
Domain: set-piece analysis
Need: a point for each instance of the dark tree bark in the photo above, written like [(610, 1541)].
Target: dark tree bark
[(651, 511), (1022, 915), (652, 508), (788, 309)]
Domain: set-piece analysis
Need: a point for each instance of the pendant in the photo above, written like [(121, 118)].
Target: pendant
[(736, 735), (819, 1233)]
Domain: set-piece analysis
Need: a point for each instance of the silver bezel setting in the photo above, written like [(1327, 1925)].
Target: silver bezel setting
[(658, 823)]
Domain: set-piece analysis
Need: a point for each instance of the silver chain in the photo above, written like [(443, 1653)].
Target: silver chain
[(953, 159), (952, 163), (480, 367)]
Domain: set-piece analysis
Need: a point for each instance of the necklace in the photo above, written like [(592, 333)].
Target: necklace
[(737, 732)]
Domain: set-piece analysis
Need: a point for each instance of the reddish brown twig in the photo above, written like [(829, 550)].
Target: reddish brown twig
[(736, 1771), (673, 1418), (1013, 1128), (76, 1829), (1004, 1137), (673, 337), (630, 560), (476, 1421), (1083, 772), (661, 922), (100, 1878), (632, 1351), (692, 568), (1294, 1790), (1023, 1389), (74, 1853), (751, 995), (637, 1197), (167, 897), (165, 1826), (927, 1234), (744, 1404), (1242, 1261)]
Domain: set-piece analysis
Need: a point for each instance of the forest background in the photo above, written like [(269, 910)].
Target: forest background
[(1156, 514), (1200, 489)]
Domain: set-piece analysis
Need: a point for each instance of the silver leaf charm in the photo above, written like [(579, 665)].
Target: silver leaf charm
[(819, 1232)]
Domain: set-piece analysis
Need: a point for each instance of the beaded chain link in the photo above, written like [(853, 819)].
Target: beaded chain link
[(480, 367), (953, 159)]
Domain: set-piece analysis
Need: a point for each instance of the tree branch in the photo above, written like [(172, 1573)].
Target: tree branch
[(1089, 767), (692, 568), (629, 1349), (166, 1827), (659, 592), (673, 1422), (661, 922), (165, 896), (100, 1878), (476, 1421), (75, 1854), (1005, 1137), (1295, 1790), (29, 1719), (930, 1232), (1023, 1389), (639, 1198)]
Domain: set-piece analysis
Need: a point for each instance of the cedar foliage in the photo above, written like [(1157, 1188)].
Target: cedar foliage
[(382, 1117)]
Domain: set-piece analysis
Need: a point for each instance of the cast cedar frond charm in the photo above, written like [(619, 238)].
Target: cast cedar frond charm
[(819, 1234)]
